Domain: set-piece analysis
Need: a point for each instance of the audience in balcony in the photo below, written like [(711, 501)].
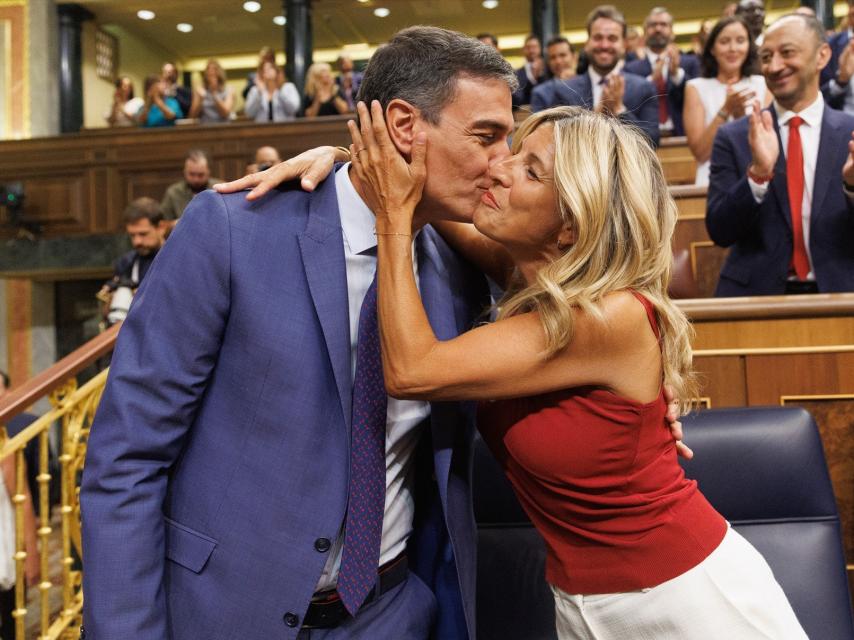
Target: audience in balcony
[(666, 68), (159, 109), (777, 193), (561, 62), (213, 101), (266, 53), (172, 89), (634, 44), (532, 73), (348, 80), (489, 39), (125, 106), (196, 178), (322, 97), (725, 91), (272, 98)]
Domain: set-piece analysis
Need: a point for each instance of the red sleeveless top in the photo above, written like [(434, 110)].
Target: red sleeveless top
[(598, 476)]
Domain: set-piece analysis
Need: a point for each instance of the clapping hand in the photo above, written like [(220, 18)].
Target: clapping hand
[(848, 167), (612, 95), (737, 101), (391, 186), (674, 56), (764, 147), (846, 63)]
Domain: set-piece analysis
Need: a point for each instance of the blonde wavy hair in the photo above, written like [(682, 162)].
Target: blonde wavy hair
[(312, 77), (611, 191)]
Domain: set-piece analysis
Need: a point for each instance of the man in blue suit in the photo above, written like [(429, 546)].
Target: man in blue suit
[(561, 60), (532, 73), (219, 466), (836, 76), (780, 193), (666, 68), (603, 87)]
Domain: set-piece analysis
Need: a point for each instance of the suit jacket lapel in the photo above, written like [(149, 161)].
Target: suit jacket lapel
[(779, 184), (828, 147), (322, 248)]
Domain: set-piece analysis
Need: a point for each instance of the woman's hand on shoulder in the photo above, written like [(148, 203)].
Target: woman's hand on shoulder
[(392, 186), (312, 167)]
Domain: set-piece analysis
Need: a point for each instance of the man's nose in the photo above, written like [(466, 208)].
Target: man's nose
[(501, 170)]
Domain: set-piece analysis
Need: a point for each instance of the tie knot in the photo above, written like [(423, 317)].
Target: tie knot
[(795, 122)]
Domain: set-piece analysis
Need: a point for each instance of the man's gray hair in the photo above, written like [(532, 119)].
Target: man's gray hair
[(421, 65), (810, 22)]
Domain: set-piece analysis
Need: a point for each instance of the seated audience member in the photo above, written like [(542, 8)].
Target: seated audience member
[(561, 61), (777, 193), (266, 157), (666, 68), (530, 74), (322, 97), (184, 96), (488, 38), (197, 178), (348, 81), (836, 76), (604, 88), (634, 45), (213, 102), (266, 53), (272, 99), (753, 13), (125, 106), (158, 110), (725, 92), (147, 230)]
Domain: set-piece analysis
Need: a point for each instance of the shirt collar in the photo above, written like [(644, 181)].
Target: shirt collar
[(357, 221), (811, 115), (595, 78)]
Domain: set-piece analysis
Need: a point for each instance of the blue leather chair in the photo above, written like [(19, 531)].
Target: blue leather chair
[(762, 468)]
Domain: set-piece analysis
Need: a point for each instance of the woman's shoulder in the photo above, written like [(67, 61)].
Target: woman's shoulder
[(702, 82)]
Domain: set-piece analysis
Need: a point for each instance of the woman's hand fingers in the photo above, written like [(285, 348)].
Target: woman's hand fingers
[(246, 182), (356, 137)]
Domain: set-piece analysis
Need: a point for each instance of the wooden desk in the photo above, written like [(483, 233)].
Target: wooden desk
[(677, 161)]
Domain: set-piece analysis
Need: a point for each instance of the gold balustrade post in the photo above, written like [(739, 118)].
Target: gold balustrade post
[(18, 500), (44, 529)]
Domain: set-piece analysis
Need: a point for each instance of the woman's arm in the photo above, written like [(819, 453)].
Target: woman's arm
[(487, 255), (699, 135), (340, 103), (254, 100), (289, 97), (195, 106), (225, 106), (504, 359), (313, 108)]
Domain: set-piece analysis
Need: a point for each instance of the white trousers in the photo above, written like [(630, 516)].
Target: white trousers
[(731, 595)]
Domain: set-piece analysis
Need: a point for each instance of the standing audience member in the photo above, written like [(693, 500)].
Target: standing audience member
[(604, 88), (836, 76), (725, 92), (197, 178), (530, 74), (634, 45), (321, 93), (184, 96), (266, 53), (159, 109), (348, 81), (490, 39), (125, 106), (272, 99), (753, 13), (213, 102), (561, 61), (146, 230), (778, 194), (666, 68)]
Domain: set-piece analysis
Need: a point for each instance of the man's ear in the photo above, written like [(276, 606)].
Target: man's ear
[(823, 55), (403, 122)]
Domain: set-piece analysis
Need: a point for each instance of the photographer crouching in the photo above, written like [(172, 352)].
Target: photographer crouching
[(147, 231)]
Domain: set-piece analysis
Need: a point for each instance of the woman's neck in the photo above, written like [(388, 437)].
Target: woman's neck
[(729, 77)]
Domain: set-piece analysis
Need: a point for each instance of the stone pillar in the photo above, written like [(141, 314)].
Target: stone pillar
[(298, 41), (71, 17), (44, 52), (545, 21), (823, 11)]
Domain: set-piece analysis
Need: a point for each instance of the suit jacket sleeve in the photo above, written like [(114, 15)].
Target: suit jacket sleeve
[(644, 112), (732, 213), (538, 98), (164, 356)]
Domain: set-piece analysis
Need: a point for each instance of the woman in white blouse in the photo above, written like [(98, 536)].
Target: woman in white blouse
[(726, 90), (271, 99)]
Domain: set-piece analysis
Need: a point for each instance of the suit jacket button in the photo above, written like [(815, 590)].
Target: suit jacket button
[(291, 619), (322, 545)]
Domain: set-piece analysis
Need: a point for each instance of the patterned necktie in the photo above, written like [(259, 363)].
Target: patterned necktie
[(795, 185), (364, 523)]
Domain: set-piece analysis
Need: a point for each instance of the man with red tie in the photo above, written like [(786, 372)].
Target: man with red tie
[(781, 192)]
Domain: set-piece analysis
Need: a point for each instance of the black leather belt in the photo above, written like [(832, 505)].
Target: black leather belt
[(326, 609), (795, 287)]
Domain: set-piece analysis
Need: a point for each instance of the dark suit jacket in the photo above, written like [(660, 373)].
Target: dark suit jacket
[(522, 95), (838, 42), (220, 452), (760, 235), (639, 100), (675, 91)]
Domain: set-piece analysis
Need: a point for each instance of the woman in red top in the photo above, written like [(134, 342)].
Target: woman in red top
[(577, 228)]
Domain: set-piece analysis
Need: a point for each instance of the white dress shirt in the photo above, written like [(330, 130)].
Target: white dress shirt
[(596, 82), (402, 416), (810, 132)]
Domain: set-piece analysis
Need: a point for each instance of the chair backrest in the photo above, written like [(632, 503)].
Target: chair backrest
[(762, 468)]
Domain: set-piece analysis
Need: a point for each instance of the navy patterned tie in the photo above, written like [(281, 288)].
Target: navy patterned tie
[(364, 523)]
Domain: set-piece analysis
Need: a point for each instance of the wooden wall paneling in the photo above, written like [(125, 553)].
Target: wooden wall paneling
[(770, 376), (707, 259), (773, 333), (59, 201), (677, 162), (722, 379)]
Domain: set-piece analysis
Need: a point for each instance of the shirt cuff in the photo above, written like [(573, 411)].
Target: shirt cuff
[(835, 89), (679, 76), (758, 190)]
